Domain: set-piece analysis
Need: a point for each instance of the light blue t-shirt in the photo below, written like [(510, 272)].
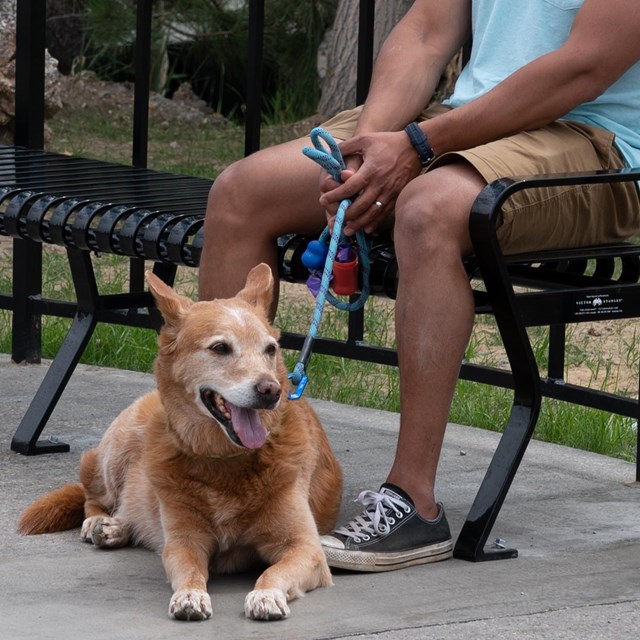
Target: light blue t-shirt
[(507, 34)]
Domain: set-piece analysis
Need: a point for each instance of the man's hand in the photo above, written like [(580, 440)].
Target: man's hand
[(379, 166)]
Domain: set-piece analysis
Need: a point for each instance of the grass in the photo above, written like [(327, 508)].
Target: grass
[(365, 384), (604, 356), (198, 146)]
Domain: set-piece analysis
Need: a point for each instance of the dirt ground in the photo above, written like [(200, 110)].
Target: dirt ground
[(86, 91), (113, 99)]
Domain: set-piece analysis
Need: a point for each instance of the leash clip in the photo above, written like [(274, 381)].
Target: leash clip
[(300, 387)]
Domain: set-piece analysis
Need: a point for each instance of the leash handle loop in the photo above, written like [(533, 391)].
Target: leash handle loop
[(333, 163)]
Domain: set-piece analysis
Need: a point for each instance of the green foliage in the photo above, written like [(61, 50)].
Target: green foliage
[(293, 32), (204, 42), (109, 38), (109, 23)]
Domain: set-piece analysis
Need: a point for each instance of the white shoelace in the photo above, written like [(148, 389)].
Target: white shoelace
[(376, 519)]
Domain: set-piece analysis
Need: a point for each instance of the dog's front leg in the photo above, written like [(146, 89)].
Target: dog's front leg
[(186, 561), (297, 563)]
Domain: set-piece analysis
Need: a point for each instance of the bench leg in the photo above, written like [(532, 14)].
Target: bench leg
[(509, 452), (27, 282), (517, 433), (25, 439), (526, 404), (90, 310), (513, 443), (471, 542)]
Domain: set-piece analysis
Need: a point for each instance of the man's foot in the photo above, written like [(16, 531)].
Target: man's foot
[(389, 534)]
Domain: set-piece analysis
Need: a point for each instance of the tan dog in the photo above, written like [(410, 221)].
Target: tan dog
[(216, 469)]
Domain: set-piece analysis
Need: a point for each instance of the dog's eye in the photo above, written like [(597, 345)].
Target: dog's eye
[(221, 348), (270, 350)]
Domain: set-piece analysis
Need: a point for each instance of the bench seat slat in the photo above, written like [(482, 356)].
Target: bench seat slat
[(57, 199)]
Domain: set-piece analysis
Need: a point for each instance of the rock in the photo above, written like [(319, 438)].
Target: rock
[(52, 96)]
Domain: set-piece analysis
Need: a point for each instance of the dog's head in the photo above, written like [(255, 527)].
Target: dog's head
[(221, 360)]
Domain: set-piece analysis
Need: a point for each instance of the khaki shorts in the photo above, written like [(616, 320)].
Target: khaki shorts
[(550, 217)]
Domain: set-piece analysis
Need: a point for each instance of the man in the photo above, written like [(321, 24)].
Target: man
[(551, 86)]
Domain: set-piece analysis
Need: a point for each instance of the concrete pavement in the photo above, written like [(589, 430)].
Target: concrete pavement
[(574, 516)]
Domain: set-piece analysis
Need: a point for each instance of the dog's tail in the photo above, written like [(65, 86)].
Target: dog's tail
[(59, 510)]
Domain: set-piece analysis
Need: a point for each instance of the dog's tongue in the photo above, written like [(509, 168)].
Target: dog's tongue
[(247, 425)]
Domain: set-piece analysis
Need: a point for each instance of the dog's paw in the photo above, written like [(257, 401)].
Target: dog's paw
[(190, 604), (266, 604), (103, 531)]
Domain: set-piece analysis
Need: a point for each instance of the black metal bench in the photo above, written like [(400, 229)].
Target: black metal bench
[(89, 206)]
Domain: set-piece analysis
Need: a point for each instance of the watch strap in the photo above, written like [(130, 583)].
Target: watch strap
[(420, 143)]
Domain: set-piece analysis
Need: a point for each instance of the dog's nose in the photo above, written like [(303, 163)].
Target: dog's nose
[(269, 390)]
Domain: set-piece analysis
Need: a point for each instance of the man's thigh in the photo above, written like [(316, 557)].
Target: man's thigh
[(557, 217), (553, 217)]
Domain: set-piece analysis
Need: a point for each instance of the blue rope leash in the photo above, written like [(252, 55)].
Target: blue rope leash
[(332, 162)]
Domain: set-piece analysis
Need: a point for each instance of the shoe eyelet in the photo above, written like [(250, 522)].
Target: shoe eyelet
[(407, 510), (357, 540), (391, 521), (366, 538)]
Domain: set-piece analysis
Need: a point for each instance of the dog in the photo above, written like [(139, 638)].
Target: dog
[(215, 469)]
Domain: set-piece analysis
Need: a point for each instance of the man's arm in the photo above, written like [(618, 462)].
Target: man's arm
[(411, 62), (603, 43), (406, 73)]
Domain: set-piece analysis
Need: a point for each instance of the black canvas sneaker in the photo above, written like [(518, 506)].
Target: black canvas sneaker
[(389, 534)]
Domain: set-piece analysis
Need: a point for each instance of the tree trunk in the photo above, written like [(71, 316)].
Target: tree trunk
[(52, 99), (7, 9), (338, 56)]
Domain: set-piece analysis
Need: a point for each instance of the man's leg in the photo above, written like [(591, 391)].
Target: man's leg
[(434, 319), (402, 524), (255, 200)]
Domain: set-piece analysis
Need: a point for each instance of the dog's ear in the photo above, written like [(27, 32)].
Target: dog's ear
[(258, 290), (171, 305)]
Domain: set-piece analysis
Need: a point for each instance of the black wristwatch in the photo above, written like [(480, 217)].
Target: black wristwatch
[(420, 143)]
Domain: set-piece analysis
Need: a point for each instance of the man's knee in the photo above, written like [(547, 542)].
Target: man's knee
[(229, 202), (227, 185), (433, 209)]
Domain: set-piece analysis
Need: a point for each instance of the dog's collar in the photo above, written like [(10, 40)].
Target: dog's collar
[(231, 455)]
